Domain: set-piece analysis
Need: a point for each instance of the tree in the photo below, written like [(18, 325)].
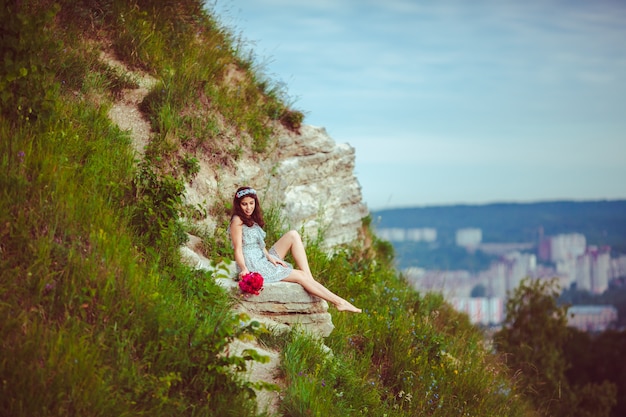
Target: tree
[(598, 359), (533, 338)]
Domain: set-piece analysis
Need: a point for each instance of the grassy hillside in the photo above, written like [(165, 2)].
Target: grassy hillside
[(98, 317)]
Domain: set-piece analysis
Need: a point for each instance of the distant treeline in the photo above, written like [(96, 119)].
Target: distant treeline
[(602, 222)]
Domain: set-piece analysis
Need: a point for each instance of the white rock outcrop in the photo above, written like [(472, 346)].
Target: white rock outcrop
[(315, 179), (312, 180), (308, 175), (282, 306)]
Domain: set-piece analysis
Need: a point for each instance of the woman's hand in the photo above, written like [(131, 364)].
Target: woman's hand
[(276, 261), (244, 271)]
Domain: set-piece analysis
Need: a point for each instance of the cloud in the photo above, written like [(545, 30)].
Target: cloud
[(522, 88)]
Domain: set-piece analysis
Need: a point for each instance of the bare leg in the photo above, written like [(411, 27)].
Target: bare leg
[(317, 289), (291, 241)]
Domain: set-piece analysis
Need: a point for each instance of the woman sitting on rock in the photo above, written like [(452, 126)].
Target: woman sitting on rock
[(251, 255)]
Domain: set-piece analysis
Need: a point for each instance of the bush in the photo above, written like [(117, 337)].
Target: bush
[(27, 88)]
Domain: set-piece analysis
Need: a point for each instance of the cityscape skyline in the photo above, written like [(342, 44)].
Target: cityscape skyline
[(566, 258), (455, 102)]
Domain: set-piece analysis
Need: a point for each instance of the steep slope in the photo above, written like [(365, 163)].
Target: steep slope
[(107, 174)]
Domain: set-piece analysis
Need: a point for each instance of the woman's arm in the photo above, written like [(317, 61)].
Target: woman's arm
[(236, 235)]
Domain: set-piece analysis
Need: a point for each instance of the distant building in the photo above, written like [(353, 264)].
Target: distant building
[(448, 283), (469, 237), (424, 234), (500, 249), (481, 310), (593, 270), (496, 280), (392, 234), (582, 273), (591, 318), (504, 275), (520, 266), (397, 234), (618, 267), (562, 247)]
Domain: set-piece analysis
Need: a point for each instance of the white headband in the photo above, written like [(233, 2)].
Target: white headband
[(247, 191)]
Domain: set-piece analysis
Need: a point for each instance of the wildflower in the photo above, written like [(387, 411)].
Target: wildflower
[(49, 287), (21, 155)]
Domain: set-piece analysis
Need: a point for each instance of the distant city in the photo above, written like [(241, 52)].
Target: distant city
[(482, 295)]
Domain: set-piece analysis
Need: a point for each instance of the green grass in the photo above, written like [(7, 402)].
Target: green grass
[(406, 354), (99, 317), (94, 322)]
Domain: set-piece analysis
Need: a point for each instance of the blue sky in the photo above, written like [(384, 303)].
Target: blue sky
[(455, 101)]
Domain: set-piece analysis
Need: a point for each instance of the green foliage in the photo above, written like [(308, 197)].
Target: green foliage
[(29, 51), (534, 337), (292, 120), (196, 59), (191, 166), (596, 361), (320, 385), (97, 316), (406, 354), (92, 326), (155, 213)]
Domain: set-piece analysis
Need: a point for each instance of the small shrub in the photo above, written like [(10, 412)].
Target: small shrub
[(158, 201), (292, 119), (190, 166)]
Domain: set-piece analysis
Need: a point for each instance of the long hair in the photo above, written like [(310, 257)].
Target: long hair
[(257, 214)]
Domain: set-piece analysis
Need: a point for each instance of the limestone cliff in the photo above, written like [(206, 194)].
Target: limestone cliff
[(309, 175), (312, 179)]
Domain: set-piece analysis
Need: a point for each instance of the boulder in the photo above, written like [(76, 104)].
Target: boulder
[(280, 306), (283, 305)]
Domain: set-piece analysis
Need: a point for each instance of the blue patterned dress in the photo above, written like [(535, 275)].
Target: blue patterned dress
[(256, 261)]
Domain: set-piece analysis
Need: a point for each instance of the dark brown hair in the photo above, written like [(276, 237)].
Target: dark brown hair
[(257, 214)]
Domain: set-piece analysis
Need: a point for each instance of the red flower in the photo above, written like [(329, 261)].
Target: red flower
[(251, 283)]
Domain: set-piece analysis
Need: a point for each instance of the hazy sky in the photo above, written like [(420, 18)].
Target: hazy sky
[(455, 101)]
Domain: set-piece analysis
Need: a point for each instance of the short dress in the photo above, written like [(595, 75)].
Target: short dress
[(253, 244)]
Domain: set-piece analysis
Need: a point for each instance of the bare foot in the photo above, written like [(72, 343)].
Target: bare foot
[(346, 306)]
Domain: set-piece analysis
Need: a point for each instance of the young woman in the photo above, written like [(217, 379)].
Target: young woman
[(251, 255)]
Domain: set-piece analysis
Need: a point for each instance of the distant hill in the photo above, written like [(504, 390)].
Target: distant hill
[(602, 222)]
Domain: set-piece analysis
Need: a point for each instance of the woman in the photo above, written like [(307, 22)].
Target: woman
[(251, 255)]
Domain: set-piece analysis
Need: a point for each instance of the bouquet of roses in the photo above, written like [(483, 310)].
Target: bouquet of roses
[(251, 283)]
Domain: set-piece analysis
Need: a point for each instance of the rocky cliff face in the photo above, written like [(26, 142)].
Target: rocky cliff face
[(312, 179), (309, 175)]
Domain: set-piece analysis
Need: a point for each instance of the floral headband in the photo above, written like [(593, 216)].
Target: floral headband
[(246, 191)]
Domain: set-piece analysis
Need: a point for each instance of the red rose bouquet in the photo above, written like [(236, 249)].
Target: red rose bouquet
[(251, 283)]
